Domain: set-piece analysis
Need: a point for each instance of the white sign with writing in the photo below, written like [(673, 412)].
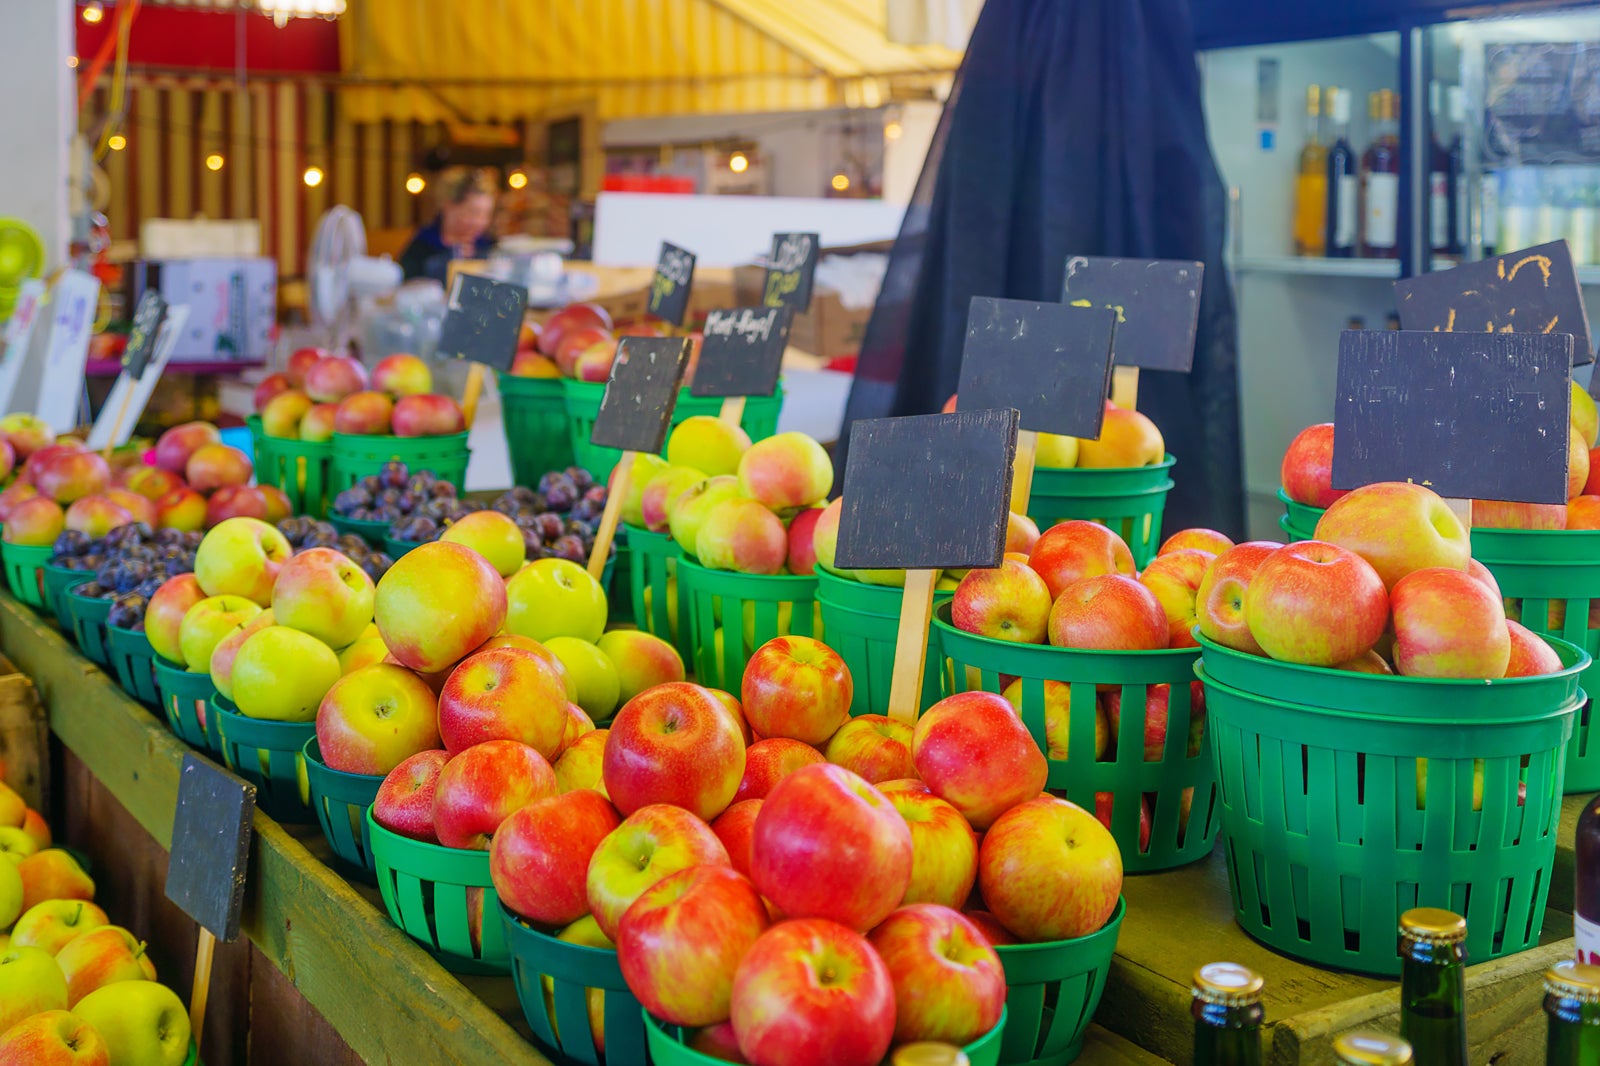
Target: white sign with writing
[(19, 337), (71, 320)]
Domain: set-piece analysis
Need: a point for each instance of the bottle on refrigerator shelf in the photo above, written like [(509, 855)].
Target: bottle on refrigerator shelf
[(1344, 192), (1227, 1015), (1433, 1011), (1572, 1004), (1311, 182), (1586, 908), (1460, 206), (1439, 215), (1380, 181), (1371, 1049)]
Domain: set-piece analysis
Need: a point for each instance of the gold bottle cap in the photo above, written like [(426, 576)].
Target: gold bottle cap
[(928, 1053), (1313, 100), (1371, 1049), (1227, 984), (1574, 980), (1431, 925)]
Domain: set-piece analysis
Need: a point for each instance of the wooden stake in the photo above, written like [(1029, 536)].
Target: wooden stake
[(1022, 470), (1125, 387), (911, 645), (621, 481), (732, 410), (202, 982), (470, 395), (116, 426), (1462, 510)]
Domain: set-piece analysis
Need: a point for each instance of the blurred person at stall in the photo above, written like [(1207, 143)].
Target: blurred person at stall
[(459, 231)]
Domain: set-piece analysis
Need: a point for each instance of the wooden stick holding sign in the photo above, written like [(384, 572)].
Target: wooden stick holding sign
[(740, 355), (1157, 302), (1471, 416), (482, 323), (669, 287), (634, 415), (136, 354), (1049, 361), (925, 494), (206, 872)]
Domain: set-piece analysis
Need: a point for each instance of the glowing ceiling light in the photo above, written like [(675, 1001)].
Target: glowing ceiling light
[(892, 131), (93, 13), (312, 177), (214, 161), (516, 179), (840, 182), (415, 184), (738, 162), (116, 142)]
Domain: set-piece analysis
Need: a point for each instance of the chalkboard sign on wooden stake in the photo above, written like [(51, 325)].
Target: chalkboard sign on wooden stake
[(791, 268), (483, 324), (669, 288), (206, 871), (740, 356), (147, 318), (634, 416), (924, 494), (1157, 302)]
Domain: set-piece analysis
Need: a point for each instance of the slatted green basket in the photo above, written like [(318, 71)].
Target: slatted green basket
[(186, 701), (88, 615), (268, 754), (56, 581), (862, 622), (1299, 521), (731, 615), (559, 1016), (1347, 799), (302, 469), (1052, 991), (1177, 787), (355, 455), (1127, 500), (340, 801), (133, 661), (669, 1045), (443, 899), (653, 587), (583, 404), (534, 415), (23, 564)]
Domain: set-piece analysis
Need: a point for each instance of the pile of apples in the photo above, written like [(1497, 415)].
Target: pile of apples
[(192, 482), (320, 394), (1127, 438), (75, 990), (740, 852), (580, 342)]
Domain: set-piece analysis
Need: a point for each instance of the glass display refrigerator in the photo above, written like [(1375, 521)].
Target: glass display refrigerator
[(1414, 142)]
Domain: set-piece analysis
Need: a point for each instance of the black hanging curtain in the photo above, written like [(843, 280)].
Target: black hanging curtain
[(1074, 128)]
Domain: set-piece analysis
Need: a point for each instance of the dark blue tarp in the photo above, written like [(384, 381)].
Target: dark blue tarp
[(1074, 128)]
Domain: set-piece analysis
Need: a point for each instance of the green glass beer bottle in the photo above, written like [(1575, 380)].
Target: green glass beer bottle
[(1371, 1049), (1227, 1015), (1572, 1001), (1433, 986)]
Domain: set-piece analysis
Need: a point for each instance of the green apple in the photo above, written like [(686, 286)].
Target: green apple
[(599, 688), (241, 557), (282, 674), (708, 443), (10, 893), (52, 924), (555, 598), (688, 512), (207, 623), (142, 1022), (645, 468), (492, 535), (366, 651), (16, 846), (30, 982)]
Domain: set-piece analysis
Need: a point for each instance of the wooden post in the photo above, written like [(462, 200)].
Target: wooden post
[(471, 394), (911, 645), (621, 482), (1125, 387), (732, 410), (1022, 470), (1462, 510), (203, 948), (116, 425)]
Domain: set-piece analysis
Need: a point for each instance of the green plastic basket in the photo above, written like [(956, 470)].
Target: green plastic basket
[(1127, 500), (1176, 781), (395, 548), (653, 587), (1299, 521), (1556, 575), (56, 581), (1052, 992), (88, 615), (582, 400), (374, 533), (301, 468), (340, 801), (618, 583), (356, 455), (186, 701), (862, 622), (762, 606), (668, 1046), (1328, 838), (133, 661), (533, 412), (270, 756), (24, 564), (431, 891), (573, 969)]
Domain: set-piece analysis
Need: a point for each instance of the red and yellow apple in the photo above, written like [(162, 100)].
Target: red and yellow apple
[(428, 415), (1219, 603), (1109, 612), (437, 603), (1447, 624), (874, 746), (539, 859), (482, 786), (1049, 870), (1073, 550), (785, 471), (974, 753), (673, 744), (1320, 604), (404, 803), (503, 694), (1398, 527), (1009, 602), (796, 687), (402, 374), (650, 845), (944, 849), (375, 718), (948, 981)]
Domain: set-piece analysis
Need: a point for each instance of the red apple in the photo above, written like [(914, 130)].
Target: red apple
[(1049, 871), (427, 416), (152, 482), (796, 687), (1481, 572), (1398, 527), (270, 386), (1307, 470), (1071, 551), (375, 718), (236, 501), (213, 466), (176, 445), (1219, 604), (573, 316), (437, 603), (316, 425), (735, 827), (572, 343), (300, 362), (769, 761), (36, 521), (539, 859), (650, 845), (812, 992), (366, 413), (14, 494), (818, 832), (141, 508), (530, 364), (802, 547), (1320, 604), (183, 509), (97, 515), (873, 745), (1583, 512), (481, 787), (1022, 533), (402, 374), (1499, 514), (1447, 624), (1110, 612), (975, 754), (164, 614), (987, 924), (26, 433), (1207, 540), (948, 982), (1530, 653), (1174, 578), (503, 694), (944, 849), (53, 1038), (68, 473), (332, 378), (1010, 602), (673, 744), (1157, 699)]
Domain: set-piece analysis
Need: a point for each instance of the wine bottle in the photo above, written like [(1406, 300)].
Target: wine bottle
[(1344, 183), (1311, 182)]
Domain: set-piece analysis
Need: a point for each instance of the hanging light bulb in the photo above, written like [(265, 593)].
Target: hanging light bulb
[(840, 181), (892, 131), (738, 162), (312, 177), (415, 184), (116, 142), (93, 12), (516, 179), (214, 161)]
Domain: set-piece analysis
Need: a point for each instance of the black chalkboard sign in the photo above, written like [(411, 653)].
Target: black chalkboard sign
[(210, 845), (928, 492), (637, 406), (742, 351), (669, 289), (1531, 291), (1052, 362), (1471, 416), (1157, 302), (790, 270), (483, 321), (142, 336)]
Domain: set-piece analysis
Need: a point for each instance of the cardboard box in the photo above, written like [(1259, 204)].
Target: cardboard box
[(829, 329)]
